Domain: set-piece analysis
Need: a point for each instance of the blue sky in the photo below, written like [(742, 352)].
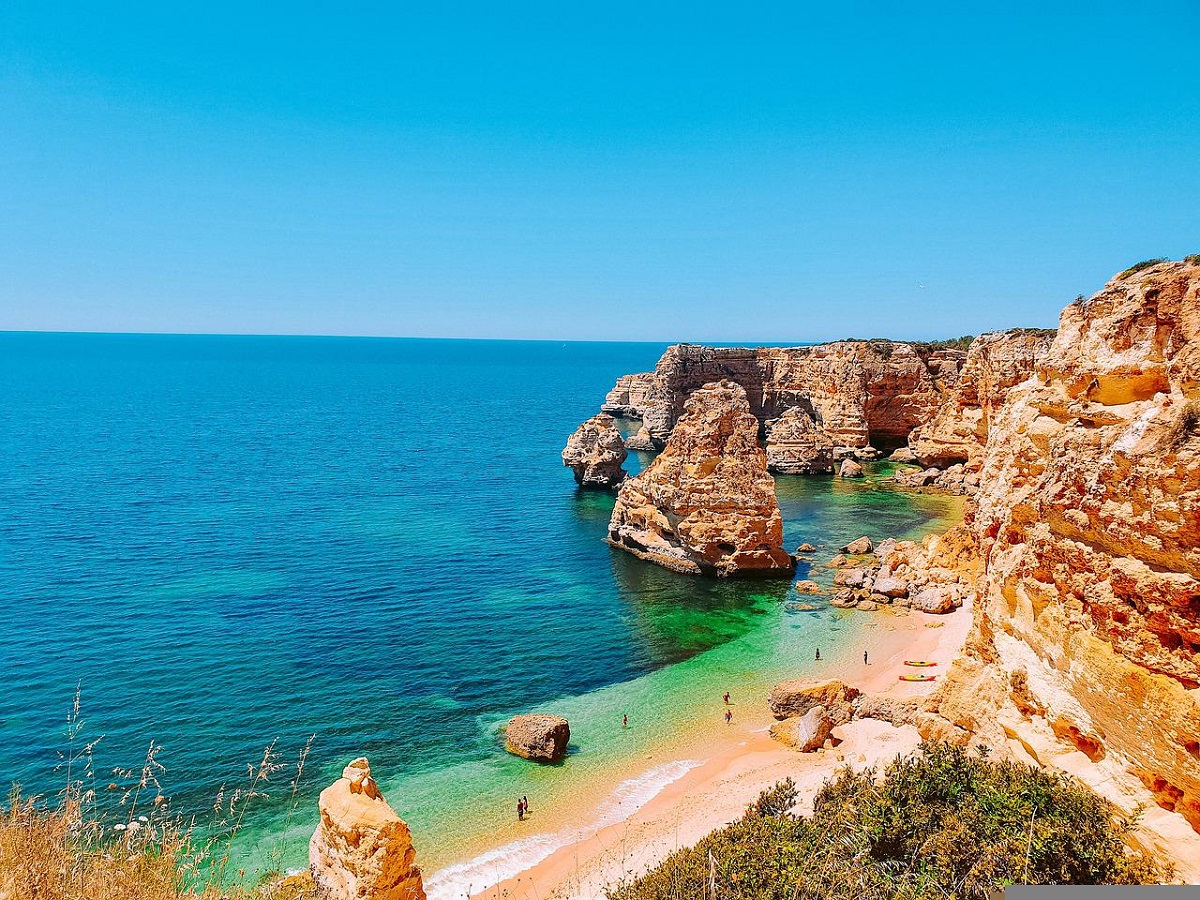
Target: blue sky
[(722, 172)]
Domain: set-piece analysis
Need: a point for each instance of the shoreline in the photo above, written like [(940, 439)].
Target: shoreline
[(706, 780)]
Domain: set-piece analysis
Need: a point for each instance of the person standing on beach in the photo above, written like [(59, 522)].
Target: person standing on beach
[(727, 698), (865, 663), (520, 810), (525, 802), (818, 654), (728, 716)]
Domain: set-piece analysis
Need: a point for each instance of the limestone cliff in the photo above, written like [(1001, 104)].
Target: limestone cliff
[(796, 445), (851, 390), (361, 849), (596, 453), (706, 505), (995, 363), (1084, 646)]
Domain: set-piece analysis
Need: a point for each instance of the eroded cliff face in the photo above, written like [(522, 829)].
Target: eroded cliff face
[(706, 505), (851, 390), (995, 363), (1083, 652)]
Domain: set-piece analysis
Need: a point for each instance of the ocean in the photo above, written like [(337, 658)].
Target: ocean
[(225, 542)]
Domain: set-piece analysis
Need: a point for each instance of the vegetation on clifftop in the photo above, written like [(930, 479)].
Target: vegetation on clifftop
[(940, 824)]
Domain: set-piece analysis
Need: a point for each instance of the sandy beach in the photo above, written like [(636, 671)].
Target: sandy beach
[(708, 780)]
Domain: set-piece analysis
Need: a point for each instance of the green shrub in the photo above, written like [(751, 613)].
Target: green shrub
[(939, 824), (1144, 264)]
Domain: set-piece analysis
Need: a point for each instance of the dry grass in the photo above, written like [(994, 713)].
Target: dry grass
[(131, 846)]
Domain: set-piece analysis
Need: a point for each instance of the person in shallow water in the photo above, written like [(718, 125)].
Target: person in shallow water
[(525, 801), (728, 716), (625, 720), (727, 698), (520, 810), (818, 654)]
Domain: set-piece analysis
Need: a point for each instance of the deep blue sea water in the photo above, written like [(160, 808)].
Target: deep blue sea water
[(232, 540)]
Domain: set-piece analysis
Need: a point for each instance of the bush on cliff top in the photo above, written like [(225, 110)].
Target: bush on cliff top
[(943, 823)]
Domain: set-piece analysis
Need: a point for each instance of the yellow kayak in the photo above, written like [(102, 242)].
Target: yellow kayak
[(916, 677), (919, 662)]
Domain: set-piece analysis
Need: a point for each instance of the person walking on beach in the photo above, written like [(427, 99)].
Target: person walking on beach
[(520, 810), (727, 698), (818, 654), (728, 716)]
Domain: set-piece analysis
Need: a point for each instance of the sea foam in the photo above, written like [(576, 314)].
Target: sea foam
[(459, 881)]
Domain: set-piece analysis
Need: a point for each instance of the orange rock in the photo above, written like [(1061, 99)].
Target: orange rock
[(706, 505), (361, 849)]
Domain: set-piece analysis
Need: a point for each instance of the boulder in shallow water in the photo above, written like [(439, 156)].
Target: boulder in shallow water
[(361, 849), (859, 547), (807, 587), (806, 548), (851, 469), (537, 736)]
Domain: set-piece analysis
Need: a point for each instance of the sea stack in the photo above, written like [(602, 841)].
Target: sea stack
[(362, 850), (595, 453), (706, 505)]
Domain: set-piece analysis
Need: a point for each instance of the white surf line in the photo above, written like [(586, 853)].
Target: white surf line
[(458, 881)]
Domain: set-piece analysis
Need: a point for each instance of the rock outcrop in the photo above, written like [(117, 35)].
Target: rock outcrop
[(596, 453), (1086, 637), (706, 505), (806, 732), (361, 849), (537, 736), (797, 446), (631, 396), (995, 363), (789, 699), (850, 390)]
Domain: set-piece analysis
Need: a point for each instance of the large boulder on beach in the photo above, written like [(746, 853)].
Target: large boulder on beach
[(596, 452), (805, 733), (361, 849), (890, 586), (537, 736), (937, 598), (795, 698), (706, 505)]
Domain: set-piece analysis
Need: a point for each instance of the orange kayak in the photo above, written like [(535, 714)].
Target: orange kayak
[(919, 662), (916, 677)]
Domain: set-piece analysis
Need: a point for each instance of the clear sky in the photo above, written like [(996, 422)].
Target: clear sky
[(670, 171)]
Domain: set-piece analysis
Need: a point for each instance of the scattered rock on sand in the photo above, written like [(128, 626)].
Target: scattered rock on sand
[(361, 848), (805, 733), (866, 605), (937, 598), (795, 698), (537, 736), (843, 599), (859, 546), (891, 586)]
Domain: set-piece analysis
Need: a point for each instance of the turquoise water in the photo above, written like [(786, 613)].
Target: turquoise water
[(232, 540)]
